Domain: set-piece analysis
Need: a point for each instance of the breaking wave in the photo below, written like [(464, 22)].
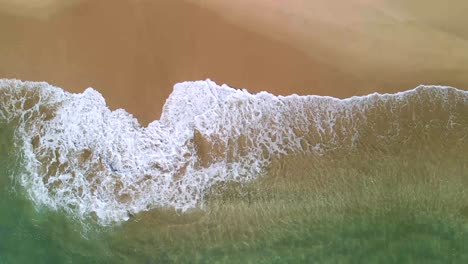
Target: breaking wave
[(85, 159)]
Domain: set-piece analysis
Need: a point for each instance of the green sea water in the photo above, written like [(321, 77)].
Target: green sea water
[(284, 224), (31, 234)]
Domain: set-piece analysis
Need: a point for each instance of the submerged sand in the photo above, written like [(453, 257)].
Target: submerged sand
[(134, 51)]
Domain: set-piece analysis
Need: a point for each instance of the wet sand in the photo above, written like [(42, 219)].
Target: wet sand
[(134, 51)]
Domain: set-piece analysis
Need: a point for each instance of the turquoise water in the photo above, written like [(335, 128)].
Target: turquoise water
[(34, 234)]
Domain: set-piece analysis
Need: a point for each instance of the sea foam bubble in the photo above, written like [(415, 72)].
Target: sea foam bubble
[(83, 158)]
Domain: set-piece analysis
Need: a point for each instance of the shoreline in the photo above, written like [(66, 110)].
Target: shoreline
[(134, 52)]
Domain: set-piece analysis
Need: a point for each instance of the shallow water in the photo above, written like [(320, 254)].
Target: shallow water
[(230, 177)]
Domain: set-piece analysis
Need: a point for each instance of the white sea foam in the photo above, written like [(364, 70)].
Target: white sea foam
[(85, 159)]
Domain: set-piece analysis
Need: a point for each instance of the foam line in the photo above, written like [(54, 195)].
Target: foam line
[(85, 159)]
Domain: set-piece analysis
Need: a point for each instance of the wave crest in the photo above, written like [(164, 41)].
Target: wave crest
[(86, 159)]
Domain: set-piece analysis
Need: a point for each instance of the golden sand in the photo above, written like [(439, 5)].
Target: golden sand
[(133, 51)]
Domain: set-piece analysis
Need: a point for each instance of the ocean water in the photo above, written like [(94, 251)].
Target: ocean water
[(231, 177)]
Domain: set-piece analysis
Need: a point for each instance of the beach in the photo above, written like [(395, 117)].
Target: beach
[(133, 52)]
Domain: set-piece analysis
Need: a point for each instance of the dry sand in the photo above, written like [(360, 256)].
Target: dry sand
[(133, 51)]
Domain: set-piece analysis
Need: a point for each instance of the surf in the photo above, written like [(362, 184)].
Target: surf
[(83, 158)]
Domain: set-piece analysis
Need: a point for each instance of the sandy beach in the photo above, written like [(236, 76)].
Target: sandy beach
[(134, 51)]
